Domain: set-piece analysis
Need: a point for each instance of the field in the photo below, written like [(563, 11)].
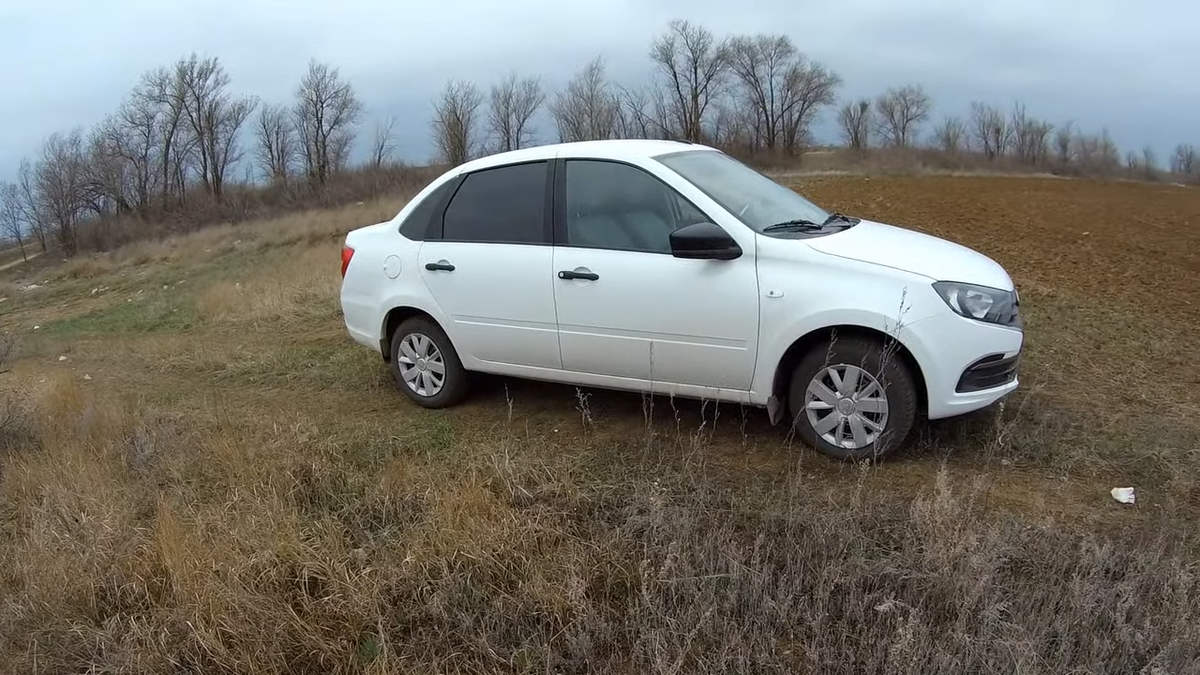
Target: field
[(200, 473)]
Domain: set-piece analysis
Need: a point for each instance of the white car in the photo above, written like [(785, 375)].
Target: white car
[(671, 268)]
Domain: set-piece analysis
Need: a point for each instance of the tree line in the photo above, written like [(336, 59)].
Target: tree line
[(173, 141)]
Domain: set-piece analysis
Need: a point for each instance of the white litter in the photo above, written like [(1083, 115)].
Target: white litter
[(62, 358), (1124, 495), (87, 377), (36, 327)]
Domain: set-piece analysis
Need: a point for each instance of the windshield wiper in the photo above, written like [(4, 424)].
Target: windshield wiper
[(835, 216), (800, 224)]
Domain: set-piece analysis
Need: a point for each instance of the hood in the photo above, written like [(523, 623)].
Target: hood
[(915, 252)]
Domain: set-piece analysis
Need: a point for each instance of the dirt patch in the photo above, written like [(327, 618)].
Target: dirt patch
[(1136, 244)]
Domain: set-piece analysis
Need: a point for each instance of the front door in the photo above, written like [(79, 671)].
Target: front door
[(491, 271), (626, 307)]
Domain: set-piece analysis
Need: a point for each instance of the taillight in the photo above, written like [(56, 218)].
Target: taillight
[(347, 254)]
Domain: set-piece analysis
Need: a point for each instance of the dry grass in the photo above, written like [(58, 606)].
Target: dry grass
[(216, 481)]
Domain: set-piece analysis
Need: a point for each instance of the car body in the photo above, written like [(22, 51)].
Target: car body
[(652, 266)]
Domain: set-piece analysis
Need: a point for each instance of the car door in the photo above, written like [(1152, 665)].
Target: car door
[(489, 268), (626, 307)]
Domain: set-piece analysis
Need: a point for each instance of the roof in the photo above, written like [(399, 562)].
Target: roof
[(607, 149)]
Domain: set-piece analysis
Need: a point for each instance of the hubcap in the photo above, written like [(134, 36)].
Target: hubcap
[(846, 406), (421, 365)]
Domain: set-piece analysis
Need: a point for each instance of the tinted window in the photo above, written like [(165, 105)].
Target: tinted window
[(617, 206), (506, 204), (416, 224)]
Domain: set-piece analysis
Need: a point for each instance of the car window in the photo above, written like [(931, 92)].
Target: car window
[(617, 206), (755, 199), (416, 224), (502, 205)]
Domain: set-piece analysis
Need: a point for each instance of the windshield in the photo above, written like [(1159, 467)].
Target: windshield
[(756, 200)]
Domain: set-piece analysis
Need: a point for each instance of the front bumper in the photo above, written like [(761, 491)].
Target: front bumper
[(990, 372), (967, 364)]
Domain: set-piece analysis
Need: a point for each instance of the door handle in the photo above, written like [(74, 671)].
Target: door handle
[(571, 274), (440, 265)]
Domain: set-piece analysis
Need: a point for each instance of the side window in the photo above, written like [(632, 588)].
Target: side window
[(416, 224), (502, 205), (620, 207)]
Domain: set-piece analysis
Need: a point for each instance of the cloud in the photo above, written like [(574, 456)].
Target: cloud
[(1126, 66)]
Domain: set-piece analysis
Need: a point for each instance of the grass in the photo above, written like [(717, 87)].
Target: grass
[(233, 487)]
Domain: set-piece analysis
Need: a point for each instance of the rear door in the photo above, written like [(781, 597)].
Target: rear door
[(490, 268)]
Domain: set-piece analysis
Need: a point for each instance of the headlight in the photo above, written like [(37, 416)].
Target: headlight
[(980, 302)]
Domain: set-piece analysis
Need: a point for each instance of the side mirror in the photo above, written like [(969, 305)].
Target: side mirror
[(704, 241)]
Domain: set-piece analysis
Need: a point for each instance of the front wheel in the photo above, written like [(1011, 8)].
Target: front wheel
[(426, 366), (852, 399)]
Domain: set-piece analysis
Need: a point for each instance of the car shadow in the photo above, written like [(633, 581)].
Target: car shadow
[(726, 424)]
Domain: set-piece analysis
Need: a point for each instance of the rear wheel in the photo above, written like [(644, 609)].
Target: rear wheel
[(426, 366), (852, 399)]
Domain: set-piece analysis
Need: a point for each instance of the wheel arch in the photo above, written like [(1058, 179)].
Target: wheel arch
[(805, 343), (392, 320)]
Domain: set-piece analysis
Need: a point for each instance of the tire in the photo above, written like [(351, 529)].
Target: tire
[(854, 356), (454, 383)]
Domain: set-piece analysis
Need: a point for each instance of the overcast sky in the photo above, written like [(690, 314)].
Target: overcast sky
[(1129, 65)]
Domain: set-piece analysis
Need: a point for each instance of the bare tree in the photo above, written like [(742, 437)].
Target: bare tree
[(110, 176), (383, 143), (691, 65), (1108, 156), (990, 129), (31, 210), (588, 109), (950, 136), (1063, 147), (1133, 161), (514, 103), (899, 112), (12, 221), (813, 87), (161, 91), (456, 122), (60, 186), (127, 155), (1150, 162), (641, 113), (324, 115), (781, 88), (734, 125), (854, 119), (1098, 153), (1183, 159), (276, 144), (1029, 136), (214, 117), (224, 140)]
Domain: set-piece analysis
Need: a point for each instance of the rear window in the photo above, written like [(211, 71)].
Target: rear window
[(416, 225), (502, 205)]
